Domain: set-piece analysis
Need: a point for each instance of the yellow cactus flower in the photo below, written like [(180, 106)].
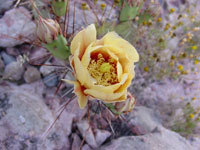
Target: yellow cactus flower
[(104, 68)]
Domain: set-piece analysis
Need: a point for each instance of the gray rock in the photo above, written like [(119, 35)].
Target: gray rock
[(87, 133), (101, 136), (160, 139), (46, 70), (31, 75), (143, 119), (13, 71), (51, 80), (4, 5), (16, 27), (86, 147), (76, 142), (37, 55), (7, 58), (12, 51), (26, 121)]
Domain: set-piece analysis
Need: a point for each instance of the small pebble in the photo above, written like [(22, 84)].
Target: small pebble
[(13, 71), (31, 75), (7, 58), (51, 80)]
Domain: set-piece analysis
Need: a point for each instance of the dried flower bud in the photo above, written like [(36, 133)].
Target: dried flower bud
[(59, 7), (47, 30)]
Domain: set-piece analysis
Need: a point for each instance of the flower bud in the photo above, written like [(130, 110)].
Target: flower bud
[(59, 7), (127, 105), (47, 30)]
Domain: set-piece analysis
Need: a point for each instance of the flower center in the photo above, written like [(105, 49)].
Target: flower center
[(103, 69)]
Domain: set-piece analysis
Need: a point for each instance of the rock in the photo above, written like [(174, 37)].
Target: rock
[(13, 71), (4, 5), (160, 139), (27, 119), (195, 141), (51, 80), (101, 136), (12, 51), (143, 119), (86, 147), (16, 27), (31, 75), (37, 56), (76, 142), (7, 58), (87, 133), (46, 70)]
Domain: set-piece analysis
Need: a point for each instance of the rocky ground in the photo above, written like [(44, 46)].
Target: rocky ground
[(28, 105)]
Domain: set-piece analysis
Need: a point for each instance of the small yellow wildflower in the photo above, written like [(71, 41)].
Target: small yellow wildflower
[(180, 67), (183, 55), (167, 26), (172, 57), (194, 98), (184, 72), (191, 116), (146, 69), (180, 23), (196, 62), (194, 47), (174, 27), (171, 10), (116, 1), (159, 19), (83, 6), (103, 6)]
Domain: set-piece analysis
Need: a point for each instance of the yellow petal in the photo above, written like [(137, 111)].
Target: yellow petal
[(119, 71), (124, 47), (82, 99), (84, 38), (82, 73), (85, 60), (104, 96)]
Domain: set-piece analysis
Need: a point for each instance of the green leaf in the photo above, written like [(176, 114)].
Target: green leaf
[(144, 17), (59, 7), (124, 29), (129, 12), (112, 108), (59, 48)]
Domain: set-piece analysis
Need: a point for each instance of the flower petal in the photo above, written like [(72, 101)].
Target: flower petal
[(82, 99), (82, 73), (112, 88), (124, 47), (104, 96), (84, 38)]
